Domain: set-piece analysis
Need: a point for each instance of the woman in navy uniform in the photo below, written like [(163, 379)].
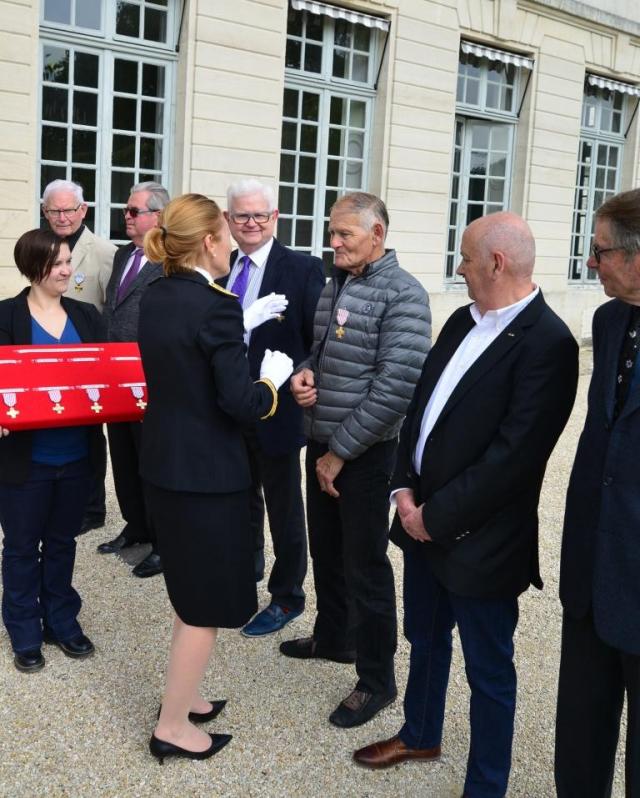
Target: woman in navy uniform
[(45, 475), (193, 459)]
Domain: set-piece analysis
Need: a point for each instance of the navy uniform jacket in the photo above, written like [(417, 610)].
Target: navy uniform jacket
[(301, 278), (485, 458), (600, 566), (199, 386), (15, 328)]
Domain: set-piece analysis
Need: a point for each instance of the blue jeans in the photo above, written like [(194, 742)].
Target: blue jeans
[(486, 628), (40, 519)]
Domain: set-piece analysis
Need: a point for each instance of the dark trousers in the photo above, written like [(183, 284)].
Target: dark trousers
[(486, 628), (96, 506), (594, 678), (276, 482), (124, 447), (40, 519), (348, 539)]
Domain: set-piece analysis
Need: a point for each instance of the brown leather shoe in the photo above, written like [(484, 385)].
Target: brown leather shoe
[(391, 752)]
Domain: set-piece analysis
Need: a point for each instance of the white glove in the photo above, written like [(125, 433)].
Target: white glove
[(264, 309), (276, 367)]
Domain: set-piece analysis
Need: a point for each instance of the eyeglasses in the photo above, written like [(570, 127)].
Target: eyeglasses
[(597, 251), (243, 218), (133, 212), (61, 211)]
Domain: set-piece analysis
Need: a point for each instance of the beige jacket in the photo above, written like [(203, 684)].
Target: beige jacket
[(92, 260)]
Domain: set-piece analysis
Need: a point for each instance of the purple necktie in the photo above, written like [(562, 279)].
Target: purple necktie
[(241, 282), (131, 275)]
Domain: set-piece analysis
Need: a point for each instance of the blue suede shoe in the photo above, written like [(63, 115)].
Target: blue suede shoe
[(270, 620)]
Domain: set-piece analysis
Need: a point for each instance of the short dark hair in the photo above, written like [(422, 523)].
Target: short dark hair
[(623, 214), (35, 253)]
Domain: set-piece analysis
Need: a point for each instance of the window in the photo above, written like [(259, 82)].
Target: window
[(105, 100), (487, 99), (327, 112), (599, 160)]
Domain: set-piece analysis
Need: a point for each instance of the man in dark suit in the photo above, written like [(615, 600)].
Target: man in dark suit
[(600, 566), (259, 267), (495, 393), (131, 275)]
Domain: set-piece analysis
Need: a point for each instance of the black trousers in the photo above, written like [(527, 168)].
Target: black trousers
[(594, 678), (124, 446), (96, 506), (348, 538), (276, 482)]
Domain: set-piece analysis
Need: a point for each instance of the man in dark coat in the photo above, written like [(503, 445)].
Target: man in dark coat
[(131, 275), (600, 567), (495, 393), (259, 267)]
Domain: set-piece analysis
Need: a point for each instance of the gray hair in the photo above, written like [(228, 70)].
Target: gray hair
[(623, 214), (370, 208), (243, 188), (158, 194), (63, 185)]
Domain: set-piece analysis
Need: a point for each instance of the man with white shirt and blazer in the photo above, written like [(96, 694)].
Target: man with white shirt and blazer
[(495, 393), (131, 275), (260, 267), (65, 210)]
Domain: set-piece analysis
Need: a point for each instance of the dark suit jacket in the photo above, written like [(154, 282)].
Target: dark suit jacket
[(121, 317), (485, 458), (200, 389), (15, 328), (600, 565), (301, 278)]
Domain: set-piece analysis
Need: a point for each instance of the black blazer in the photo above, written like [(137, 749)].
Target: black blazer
[(485, 458), (15, 328), (301, 278), (200, 389), (600, 566), (121, 318)]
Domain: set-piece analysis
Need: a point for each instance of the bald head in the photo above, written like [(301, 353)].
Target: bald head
[(498, 256), (509, 234)]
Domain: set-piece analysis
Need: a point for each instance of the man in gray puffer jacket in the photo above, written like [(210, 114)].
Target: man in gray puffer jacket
[(372, 331)]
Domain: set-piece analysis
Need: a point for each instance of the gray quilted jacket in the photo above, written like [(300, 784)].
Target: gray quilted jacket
[(371, 336)]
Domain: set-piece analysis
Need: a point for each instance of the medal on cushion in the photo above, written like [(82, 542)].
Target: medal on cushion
[(137, 389), (78, 279), (93, 392), (55, 395), (341, 317), (10, 398)]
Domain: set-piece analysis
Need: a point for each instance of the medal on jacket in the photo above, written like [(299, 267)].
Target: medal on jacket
[(341, 316), (78, 279)]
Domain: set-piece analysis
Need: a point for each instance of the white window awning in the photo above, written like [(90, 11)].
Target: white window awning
[(496, 55), (613, 85), (334, 12)]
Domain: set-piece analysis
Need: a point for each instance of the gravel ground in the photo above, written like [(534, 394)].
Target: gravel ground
[(81, 728)]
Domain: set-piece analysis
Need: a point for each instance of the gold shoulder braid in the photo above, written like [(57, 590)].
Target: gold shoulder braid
[(273, 390), (222, 290)]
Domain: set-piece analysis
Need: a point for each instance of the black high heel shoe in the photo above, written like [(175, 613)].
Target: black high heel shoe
[(162, 749), (204, 717)]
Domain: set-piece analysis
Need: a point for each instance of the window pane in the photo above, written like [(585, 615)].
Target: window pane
[(125, 76), (312, 57), (117, 229), (121, 183), (343, 33), (88, 14), (86, 70), (83, 146), (55, 104), (58, 11), (128, 19), (49, 173), (285, 199), (304, 230), (360, 68), (55, 65), (330, 197), (335, 141), (310, 106), (354, 174), (87, 179), (337, 110), (293, 54), (340, 61), (124, 151), (308, 138), (284, 232), (287, 168), (357, 114), (151, 121), (153, 80), (294, 22), (85, 108), (124, 113), (155, 25), (290, 104), (314, 26), (305, 201), (362, 39), (150, 153), (54, 143), (307, 170), (289, 135)]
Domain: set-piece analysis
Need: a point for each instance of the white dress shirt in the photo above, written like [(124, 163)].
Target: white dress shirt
[(256, 275), (125, 271)]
